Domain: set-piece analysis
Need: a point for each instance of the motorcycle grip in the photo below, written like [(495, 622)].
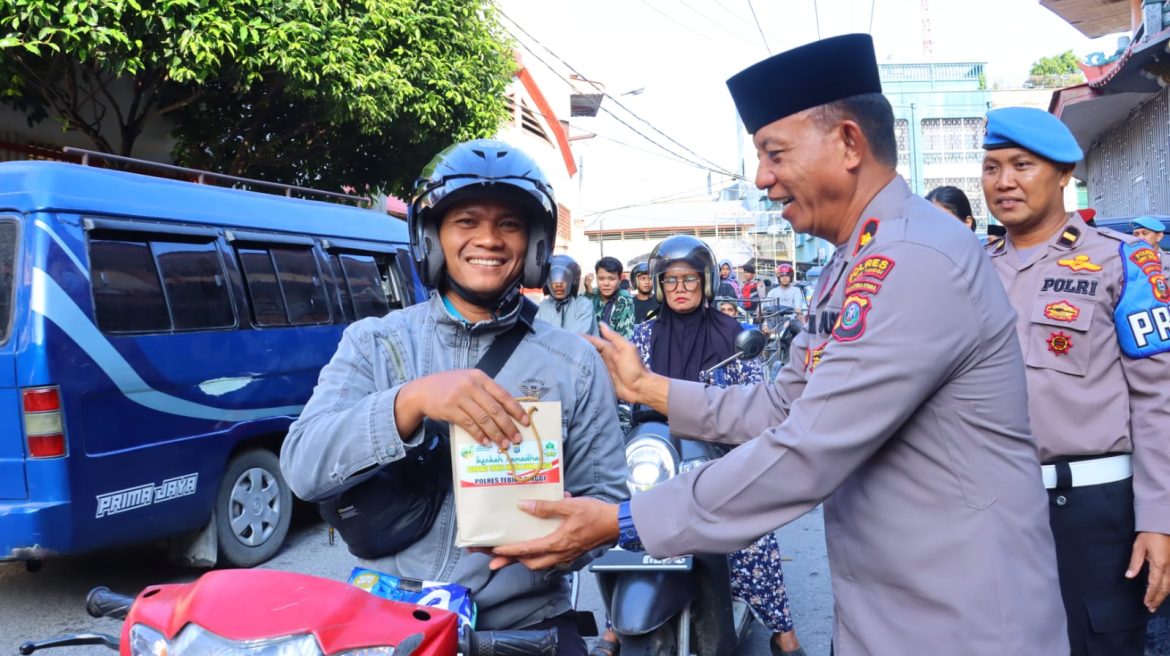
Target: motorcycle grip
[(511, 643), (101, 602)]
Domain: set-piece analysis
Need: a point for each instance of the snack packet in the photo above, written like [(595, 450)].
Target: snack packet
[(433, 594)]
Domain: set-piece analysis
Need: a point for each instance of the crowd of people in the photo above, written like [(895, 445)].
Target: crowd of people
[(988, 429)]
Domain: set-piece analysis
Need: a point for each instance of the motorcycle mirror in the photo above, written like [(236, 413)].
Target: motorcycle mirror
[(750, 343)]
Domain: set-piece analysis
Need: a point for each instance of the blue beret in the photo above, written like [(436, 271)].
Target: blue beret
[(1031, 129), (812, 75), (1149, 223)]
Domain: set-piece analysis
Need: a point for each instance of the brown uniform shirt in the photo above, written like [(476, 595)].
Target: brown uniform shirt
[(903, 409), (1086, 397)]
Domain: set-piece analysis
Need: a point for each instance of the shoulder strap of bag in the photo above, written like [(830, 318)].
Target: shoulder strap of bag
[(504, 345)]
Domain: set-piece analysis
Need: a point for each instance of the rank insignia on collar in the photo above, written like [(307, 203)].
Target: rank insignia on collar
[(1069, 237), (1079, 263), (1059, 343), (1062, 311), (867, 234)]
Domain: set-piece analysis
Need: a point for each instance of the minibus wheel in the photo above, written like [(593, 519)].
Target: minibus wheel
[(253, 509)]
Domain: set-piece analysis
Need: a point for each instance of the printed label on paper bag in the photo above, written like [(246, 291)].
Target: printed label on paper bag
[(523, 464)]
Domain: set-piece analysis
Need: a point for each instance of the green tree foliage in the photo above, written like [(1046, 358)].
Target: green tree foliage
[(1056, 71), (1063, 64), (316, 92)]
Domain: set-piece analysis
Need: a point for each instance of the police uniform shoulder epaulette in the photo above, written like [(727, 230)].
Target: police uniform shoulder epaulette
[(1117, 235)]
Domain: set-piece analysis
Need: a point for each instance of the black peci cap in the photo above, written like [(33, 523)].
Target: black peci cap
[(809, 76)]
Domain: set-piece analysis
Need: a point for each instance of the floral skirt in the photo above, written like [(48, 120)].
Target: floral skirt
[(756, 578)]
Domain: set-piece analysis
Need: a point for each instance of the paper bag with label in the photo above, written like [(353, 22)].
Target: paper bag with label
[(488, 482)]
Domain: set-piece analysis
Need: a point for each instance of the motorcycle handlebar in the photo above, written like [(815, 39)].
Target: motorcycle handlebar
[(101, 602), (508, 643)]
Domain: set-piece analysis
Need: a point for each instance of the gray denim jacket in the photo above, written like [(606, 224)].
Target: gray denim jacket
[(347, 431)]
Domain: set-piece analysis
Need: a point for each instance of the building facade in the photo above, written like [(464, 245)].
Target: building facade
[(939, 110), (1121, 114)]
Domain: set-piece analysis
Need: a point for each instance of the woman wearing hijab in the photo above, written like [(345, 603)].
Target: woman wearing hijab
[(689, 335), (728, 286)]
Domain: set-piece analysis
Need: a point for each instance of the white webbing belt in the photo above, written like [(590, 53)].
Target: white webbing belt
[(1092, 472)]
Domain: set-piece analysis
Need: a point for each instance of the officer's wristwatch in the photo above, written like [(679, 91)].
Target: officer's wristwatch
[(627, 533)]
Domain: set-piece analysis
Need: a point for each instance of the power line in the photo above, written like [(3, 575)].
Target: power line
[(701, 35), (760, 27), (630, 127), (686, 194), (817, 13), (736, 35), (733, 14), (872, 3), (713, 166)]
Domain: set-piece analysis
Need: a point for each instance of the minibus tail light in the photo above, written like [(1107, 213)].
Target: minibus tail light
[(44, 428)]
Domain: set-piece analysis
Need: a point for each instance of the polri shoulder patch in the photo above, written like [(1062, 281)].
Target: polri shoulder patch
[(874, 267), (851, 323)]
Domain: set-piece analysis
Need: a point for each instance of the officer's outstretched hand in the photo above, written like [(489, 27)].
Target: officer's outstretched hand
[(1152, 548), (587, 524), (467, 397), (632, 380)]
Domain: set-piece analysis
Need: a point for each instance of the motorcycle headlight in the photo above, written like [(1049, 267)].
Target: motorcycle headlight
[(693, 463), (651, 461), (145, 641), (195, 640)]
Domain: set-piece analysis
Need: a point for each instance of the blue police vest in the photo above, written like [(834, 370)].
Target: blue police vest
[(1142, 316)]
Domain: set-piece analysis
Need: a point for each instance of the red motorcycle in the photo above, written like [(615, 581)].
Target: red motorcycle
[(270, 613)]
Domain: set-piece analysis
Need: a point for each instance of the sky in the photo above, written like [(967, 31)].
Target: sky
[(672, 58)]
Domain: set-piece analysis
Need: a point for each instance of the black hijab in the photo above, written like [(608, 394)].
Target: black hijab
[(684, 344)]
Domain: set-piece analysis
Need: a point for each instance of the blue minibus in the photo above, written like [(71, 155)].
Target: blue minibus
[(157, 338)]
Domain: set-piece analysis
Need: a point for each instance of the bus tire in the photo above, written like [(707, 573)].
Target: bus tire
[(252, 509)]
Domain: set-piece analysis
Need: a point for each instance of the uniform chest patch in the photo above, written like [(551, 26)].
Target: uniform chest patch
[(825, 321), (1059, 343), (1084, 287), (1079, 263), (1062, 311)]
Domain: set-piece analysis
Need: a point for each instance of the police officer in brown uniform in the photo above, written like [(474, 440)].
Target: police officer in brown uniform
[(903, 407), (1089, 302)]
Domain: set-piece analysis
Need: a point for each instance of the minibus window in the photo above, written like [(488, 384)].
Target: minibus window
[(260, 274), (304, 294), (127, 294), (195, 285), (365, 285), (7, 266)]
